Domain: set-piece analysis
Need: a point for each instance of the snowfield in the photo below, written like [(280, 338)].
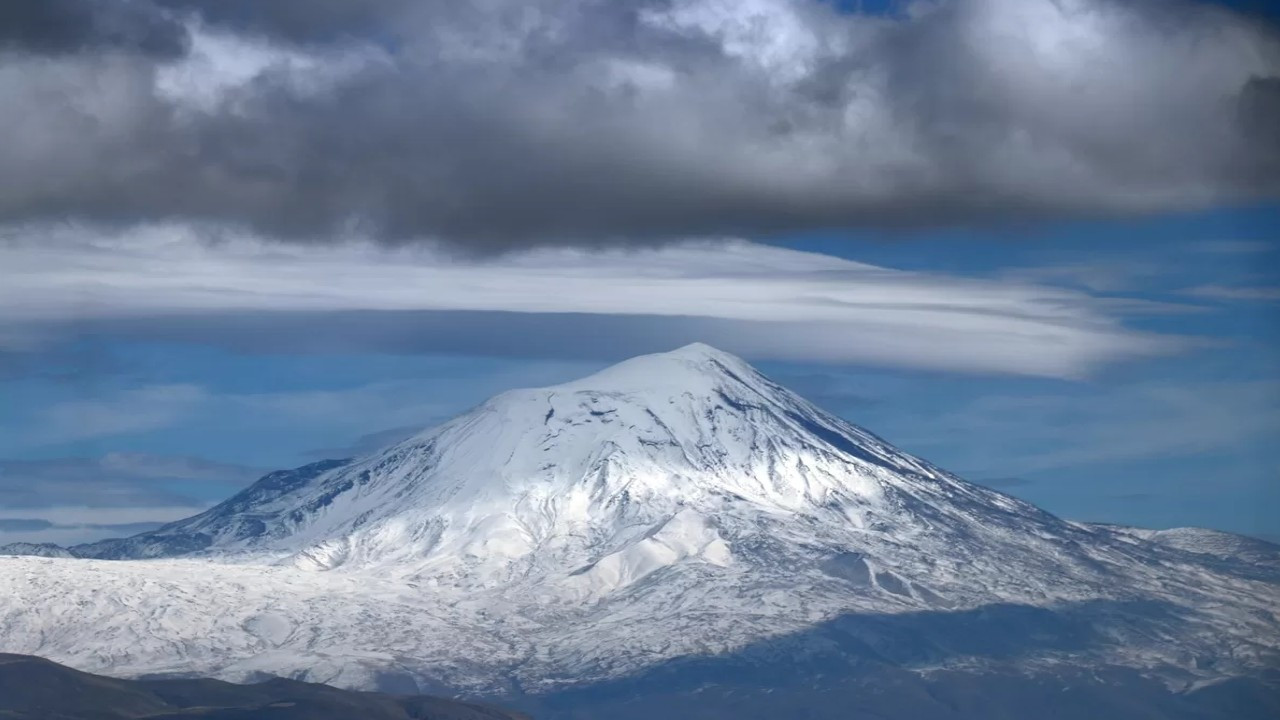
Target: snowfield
[(674, 505)]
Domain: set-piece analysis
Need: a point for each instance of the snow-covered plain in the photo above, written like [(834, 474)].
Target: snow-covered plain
[(673, 505)]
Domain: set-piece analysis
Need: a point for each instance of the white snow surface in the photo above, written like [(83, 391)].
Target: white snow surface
[(672, 505)]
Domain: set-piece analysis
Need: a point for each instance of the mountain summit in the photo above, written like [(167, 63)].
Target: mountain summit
[(673, 506)]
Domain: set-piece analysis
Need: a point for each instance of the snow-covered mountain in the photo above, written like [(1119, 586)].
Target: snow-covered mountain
[(678, 505)]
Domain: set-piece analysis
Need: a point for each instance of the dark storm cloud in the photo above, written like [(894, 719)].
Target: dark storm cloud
[(1260, 120), (500, 124), (72, 26), (300, 21)]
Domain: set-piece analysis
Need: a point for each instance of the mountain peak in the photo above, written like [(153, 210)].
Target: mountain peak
[(696, 368), (700, 351)]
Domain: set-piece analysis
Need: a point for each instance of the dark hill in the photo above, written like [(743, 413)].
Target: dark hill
[(33, 688)]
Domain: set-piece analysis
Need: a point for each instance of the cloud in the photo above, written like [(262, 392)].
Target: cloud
[(1005, 482), (831, 391), (1108, 276), (1232, 247), (497, 125), (67, 365), (1027, 434), (1224, 292), (86, 524), (404, 403), (305, 22), (166, 467), (124, 483), (75, 499), (1134, 497), (132, 410), (9, 525), (83, 26), (367, 443), (65, 535), (763, 302)]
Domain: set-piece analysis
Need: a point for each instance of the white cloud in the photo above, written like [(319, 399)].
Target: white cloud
[(146, 465), (1106, 275), (778, 303), (132, 411), (401, 403), (129, 411)]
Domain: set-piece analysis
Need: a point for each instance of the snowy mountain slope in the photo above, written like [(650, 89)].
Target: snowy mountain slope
[(245, 516), (675, 505), (1225, 552), (1203, 541)]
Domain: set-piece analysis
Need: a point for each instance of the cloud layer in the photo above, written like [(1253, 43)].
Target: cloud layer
[(1028, 434), (764, 302), (70, 500), (123, 481), (500, 124)]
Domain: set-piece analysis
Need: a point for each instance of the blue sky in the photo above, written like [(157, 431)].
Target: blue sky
[(1033, 241)]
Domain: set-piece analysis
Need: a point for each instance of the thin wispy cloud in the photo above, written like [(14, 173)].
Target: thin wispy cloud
[(1226, 292), (78, 499), (367, 443), (133, 410), (1105, 275), (1076, 431), (1233, 247), (71, 524)]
